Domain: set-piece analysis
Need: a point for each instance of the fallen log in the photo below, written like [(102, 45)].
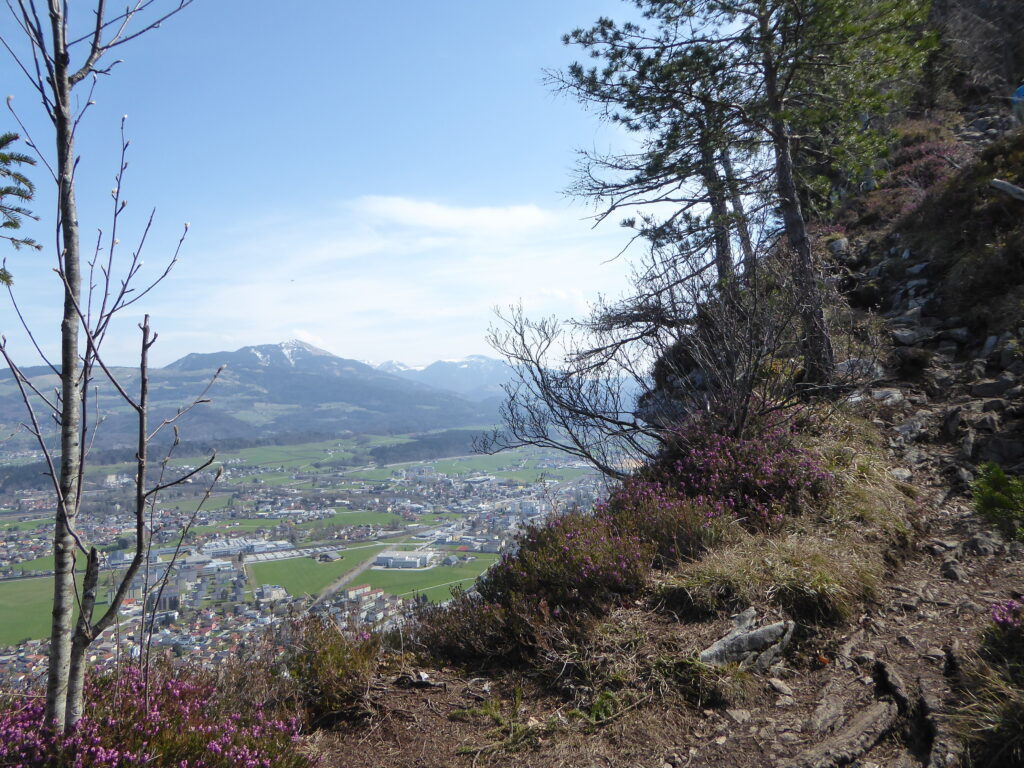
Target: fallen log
[(749, 646), (1017, 193)]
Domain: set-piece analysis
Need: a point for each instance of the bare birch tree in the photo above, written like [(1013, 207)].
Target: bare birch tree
[(58, 57)]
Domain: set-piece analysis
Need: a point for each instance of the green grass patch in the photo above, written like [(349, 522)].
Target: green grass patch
[(44, 563), (25, 609), (237, 525), (189, 504), (351, 517), (435, 583), (375, 475), (26, 525), (305, 576)]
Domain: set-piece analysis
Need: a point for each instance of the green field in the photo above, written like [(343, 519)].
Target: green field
[(25, 610), (375, 475), (435, 583), (25, 606), (27, 525), (44, 563), (301, 456), (518, 465), (219, 501), (305, 576), (236, 526), (351, 517), (510, 460)]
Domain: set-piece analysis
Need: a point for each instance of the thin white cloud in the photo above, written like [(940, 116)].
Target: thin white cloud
[(388, 278)]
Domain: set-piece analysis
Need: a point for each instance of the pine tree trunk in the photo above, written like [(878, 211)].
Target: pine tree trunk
[(819, 361), (70, 386), (740, 216), (719, 214)]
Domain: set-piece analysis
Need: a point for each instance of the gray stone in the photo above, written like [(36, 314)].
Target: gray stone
[(952, 570), (951, 421), (908, 336), (910, 317), (967, 444), (941, 381), (909, 430), (887, 396), (964, 475), (780, 686), (1002, 450), (748, 646), (906, 254), (988, 422), (839, 247), (1009, 353), (992, 387), (739, 716), (994, 405), (959, 335), (860, 368), (983, 544), (989, 346), (901, 474), (917, 285)]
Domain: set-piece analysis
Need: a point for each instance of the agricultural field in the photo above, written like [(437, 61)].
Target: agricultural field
[(241, 526), (300, 457), (511, 465), (25, 606), (44, 563), (380, 474), (27, 525), (435, 583), (305, 576), (345, 516), (189, 504)]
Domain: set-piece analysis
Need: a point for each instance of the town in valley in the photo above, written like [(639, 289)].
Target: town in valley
[(283, 531)]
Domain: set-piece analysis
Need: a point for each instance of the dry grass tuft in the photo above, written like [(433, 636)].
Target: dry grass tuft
[(809, 576), (823, 565), (992, 719)]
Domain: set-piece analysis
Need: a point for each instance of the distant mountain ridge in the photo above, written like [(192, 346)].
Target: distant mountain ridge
[(293, 353), (268, 390), (475, 377)]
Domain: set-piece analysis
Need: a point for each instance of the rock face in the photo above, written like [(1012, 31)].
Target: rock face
[(749, 646)]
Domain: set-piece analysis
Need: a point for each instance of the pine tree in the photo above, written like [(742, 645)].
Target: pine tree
[(789, 88), (15, 191)]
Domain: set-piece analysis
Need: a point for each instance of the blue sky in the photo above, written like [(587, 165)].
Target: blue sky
[(372, 178)]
